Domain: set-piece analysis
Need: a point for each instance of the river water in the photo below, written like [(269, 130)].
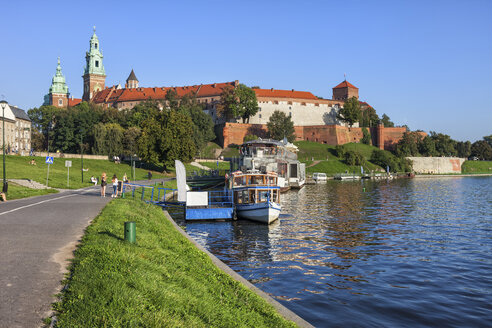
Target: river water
[(401, 253)]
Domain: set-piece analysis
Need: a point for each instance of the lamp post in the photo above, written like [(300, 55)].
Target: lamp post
[(82, 131), (4, 103)]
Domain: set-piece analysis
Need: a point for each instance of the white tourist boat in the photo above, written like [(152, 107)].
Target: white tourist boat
[(256, 196)]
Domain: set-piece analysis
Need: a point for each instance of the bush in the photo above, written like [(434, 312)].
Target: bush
[(384, 159), (249, 137), (354, 158), (366, 137), (340, 151)]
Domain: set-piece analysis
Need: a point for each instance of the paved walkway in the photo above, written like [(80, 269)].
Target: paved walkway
[(37, 237), (196, 164)]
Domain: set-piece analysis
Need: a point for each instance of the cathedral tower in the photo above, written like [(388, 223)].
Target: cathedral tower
[(94, 74), (58, 94)]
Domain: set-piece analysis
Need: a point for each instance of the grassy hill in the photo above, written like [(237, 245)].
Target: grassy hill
[(329, 163), (476, 167)]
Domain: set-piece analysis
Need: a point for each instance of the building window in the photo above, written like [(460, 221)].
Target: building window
[(259, 109), (260, 115), (96, 45), (290, 114), (97, 63), (60, 102)]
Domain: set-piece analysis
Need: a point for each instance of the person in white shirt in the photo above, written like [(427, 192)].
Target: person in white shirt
[(115, 186)]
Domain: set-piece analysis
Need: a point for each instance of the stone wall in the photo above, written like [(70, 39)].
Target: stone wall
[(67, 156), (437, 165), (234, 133)]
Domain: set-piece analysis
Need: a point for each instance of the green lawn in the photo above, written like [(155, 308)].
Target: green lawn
[(16, 192), (18, 167), (161, 281), (476, 167), (329, 162)]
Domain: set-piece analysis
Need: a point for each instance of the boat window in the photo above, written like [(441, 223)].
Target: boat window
[(262, 196), (275, 196)]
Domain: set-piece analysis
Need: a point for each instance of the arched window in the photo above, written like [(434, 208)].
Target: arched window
[(97, 63), (60, 102)]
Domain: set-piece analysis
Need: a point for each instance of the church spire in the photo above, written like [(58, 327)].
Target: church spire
[(58, 93), (94, 73), (58, 84)]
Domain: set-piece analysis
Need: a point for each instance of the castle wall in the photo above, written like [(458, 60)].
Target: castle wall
[(234, 133)]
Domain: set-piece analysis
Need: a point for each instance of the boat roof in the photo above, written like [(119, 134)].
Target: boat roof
[(264, 141)]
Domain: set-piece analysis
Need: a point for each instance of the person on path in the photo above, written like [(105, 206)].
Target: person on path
[(103, 184), (115, 186)]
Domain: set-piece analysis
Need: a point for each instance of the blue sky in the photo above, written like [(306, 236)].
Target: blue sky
[(426, 64)]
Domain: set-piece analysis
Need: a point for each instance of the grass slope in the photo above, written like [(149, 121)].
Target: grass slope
[(329, 162), (18, 167), (161, 281), (16, 192), (476, 167)]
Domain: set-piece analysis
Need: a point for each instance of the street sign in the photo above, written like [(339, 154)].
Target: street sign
[(68, 163), (49, 160)]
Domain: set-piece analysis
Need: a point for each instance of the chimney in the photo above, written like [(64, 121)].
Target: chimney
[(271, 89), (292, 90), (236, 83), (214, 85)]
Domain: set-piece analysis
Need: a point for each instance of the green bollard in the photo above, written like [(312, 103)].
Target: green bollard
[(364, 189), (130, 232)]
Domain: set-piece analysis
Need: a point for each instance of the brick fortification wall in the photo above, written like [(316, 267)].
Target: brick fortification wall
[(384, 138)]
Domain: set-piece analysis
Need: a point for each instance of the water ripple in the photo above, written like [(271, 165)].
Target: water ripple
[(403, 253)]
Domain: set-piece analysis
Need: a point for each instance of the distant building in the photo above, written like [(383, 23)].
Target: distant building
[(17, 130)]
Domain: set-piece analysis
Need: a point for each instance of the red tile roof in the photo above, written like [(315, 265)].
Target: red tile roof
[(73, 101), (111, 95), (345, 84), (284, 94)]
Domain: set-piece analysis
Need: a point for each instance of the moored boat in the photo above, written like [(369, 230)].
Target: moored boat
[(256, 196)]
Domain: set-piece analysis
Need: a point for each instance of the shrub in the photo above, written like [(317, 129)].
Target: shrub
[(249, 137), (354, 158), (340, 151), (366, 137)]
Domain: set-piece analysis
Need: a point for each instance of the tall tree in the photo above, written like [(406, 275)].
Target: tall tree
[(238, 102), (43, 121), (408, 144), (463, 149), (427, 147), (445, 146), (350, 112), (488, 139), (369, 117), (482, 150), (203, 126), (387, 122), (167, 137), (280, 126)]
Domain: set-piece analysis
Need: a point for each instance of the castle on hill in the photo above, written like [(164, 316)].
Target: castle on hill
[(314, 118)]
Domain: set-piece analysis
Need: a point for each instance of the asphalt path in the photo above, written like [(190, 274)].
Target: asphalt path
[(37, 237)]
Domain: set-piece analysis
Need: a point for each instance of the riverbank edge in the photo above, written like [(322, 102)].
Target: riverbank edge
[(282, 310)]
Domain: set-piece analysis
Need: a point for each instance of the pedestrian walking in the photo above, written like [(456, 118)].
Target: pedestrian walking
[(104, 183), (115, 186)]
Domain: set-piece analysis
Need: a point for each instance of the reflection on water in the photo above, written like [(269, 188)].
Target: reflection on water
[(370, 254)]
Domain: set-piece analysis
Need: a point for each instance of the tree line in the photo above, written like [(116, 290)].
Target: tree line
[(438, 144), (157, 132)]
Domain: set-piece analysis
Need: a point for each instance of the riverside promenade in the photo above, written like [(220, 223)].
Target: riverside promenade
[(37, 236)]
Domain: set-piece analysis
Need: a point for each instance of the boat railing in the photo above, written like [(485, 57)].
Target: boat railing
[(220, 198)]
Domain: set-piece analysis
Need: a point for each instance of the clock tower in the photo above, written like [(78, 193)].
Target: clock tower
[(94, 73)]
